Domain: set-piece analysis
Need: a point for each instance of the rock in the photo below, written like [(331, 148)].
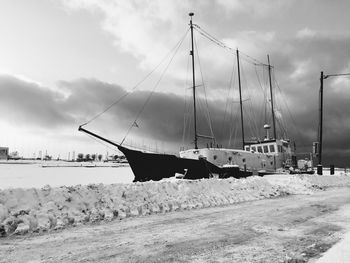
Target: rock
[(22, 229)]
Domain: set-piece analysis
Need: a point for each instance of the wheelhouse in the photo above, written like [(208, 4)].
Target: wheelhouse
[(272, 147)]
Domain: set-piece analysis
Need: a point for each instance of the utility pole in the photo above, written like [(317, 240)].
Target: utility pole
[(320, 127), (240, 97)]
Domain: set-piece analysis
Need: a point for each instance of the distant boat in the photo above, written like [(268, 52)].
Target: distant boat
[(264, 156)]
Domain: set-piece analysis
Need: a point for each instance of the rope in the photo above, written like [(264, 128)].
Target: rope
[(153, 90), (138, 84), (223, 45), (205, 94), (185, 101), (228, 99)]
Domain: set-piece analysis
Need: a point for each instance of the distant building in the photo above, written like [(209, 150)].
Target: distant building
[(4, 153)]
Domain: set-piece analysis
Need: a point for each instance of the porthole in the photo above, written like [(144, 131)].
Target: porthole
[(243, 160), (215, 157), (230, 158)]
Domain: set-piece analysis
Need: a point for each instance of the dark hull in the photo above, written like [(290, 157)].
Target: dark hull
[(154, 166), (302, 172)]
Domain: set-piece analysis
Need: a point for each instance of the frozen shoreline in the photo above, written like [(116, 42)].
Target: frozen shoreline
[(62, 174)]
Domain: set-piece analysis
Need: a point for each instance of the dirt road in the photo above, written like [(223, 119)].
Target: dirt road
[(288, 229)]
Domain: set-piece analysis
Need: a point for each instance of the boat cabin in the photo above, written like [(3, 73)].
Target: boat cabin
[(273, 147)]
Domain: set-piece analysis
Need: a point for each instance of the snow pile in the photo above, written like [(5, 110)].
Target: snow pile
[(36, 210), (291, 184), (326, 181)]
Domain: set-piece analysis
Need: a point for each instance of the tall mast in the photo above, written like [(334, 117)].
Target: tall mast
[(240, 97), (272, 108), (193, 86)]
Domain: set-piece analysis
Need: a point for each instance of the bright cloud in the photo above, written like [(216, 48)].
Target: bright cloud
[(306, 33)]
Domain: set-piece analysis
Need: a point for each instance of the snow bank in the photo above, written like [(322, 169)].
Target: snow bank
[(35, 210)]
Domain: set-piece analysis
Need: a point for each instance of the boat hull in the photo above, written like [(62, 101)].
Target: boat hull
[(153, 166)]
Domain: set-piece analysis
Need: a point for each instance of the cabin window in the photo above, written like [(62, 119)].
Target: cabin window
[(215, 157), (279, 148), (272, 148), (271, 163), (243, 160), (230, 158), (253, 148), (247, 148), (260, 149), (266, 149)]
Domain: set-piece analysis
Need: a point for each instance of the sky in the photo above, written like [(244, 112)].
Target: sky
[(63, 62)]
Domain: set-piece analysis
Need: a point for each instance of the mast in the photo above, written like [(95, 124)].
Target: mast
[(193, 86), (240, 97), (272, 108)]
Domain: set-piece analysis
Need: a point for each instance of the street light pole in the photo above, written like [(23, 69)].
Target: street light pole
[(320, 127)]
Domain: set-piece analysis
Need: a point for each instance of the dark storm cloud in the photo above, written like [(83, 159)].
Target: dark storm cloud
[(26, 103)]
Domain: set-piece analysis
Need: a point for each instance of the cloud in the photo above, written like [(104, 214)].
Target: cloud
[(23, 102), (305, 33), (261, 8)]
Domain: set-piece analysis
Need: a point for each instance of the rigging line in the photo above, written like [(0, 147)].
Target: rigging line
[(233, 129), (185, 99), (228, 99), (263, 113), (104, 144), (252, 122), (153, 90), (288, 109), (223, 45), (137, 84), (205, 93)]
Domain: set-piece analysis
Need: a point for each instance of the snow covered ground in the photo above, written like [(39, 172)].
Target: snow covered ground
[(34, 175), (33, 198), (42, 209)]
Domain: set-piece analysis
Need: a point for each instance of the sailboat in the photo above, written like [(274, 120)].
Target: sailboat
[(255, 157)]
